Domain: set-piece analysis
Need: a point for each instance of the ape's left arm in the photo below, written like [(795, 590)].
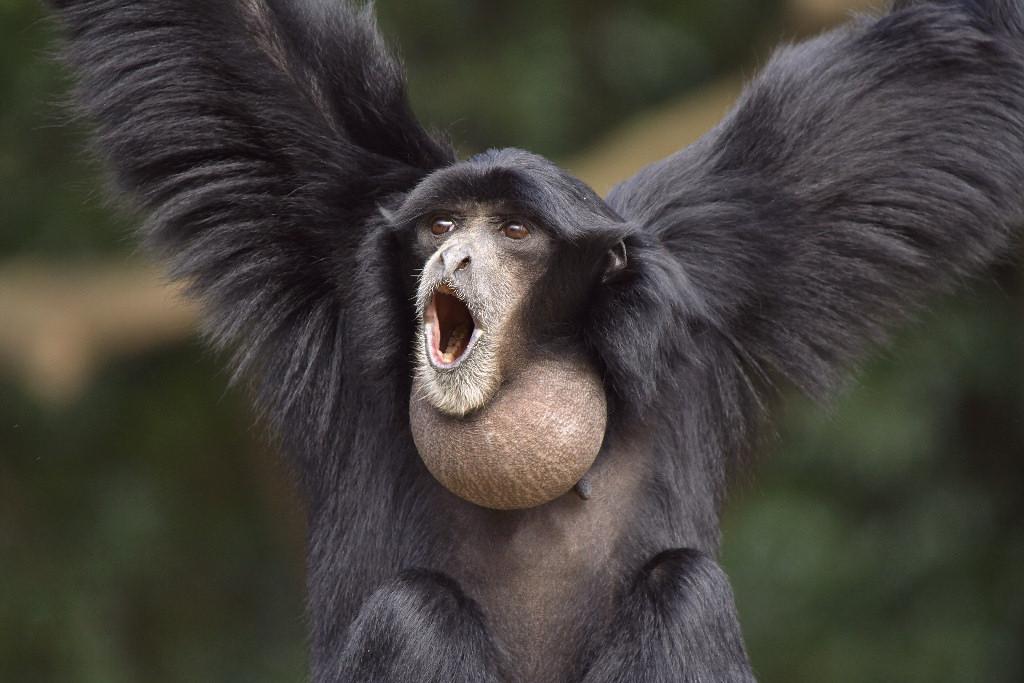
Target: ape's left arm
[(861, 172)]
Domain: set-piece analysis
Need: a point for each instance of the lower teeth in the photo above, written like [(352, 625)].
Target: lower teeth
[(455, 343)]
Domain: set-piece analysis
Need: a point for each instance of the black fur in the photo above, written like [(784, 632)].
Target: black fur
[(677, 624), (272, 145), (418, 627)]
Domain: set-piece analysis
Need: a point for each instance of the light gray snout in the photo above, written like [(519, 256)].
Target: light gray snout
[(454, 258)]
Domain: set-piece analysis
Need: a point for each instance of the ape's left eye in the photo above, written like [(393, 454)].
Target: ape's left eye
[(442, 225), (515, 231)]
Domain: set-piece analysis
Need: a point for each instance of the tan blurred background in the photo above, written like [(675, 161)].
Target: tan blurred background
[(146, 534)]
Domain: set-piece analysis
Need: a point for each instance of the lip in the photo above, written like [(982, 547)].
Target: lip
[(447, 314)]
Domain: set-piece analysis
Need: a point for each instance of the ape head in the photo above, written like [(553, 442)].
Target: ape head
[(511, 250)]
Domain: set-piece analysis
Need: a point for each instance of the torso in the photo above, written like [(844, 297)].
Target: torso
[(547, 576)]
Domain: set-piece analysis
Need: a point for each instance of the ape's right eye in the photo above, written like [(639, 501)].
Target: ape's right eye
[(441, 226)]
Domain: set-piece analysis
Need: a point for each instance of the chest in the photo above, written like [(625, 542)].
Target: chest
[(547, 578)]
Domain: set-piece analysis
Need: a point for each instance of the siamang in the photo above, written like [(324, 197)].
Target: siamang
[(412, 323)]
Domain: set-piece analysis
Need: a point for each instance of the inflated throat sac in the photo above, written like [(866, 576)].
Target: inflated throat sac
[(530, 444)]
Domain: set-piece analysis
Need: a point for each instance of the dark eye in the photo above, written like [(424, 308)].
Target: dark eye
[(442, 225), (515, 231)]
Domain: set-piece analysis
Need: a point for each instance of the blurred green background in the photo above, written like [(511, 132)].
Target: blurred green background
[(146, 534)]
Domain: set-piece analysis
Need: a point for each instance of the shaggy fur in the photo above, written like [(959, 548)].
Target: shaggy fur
[(272, 146)]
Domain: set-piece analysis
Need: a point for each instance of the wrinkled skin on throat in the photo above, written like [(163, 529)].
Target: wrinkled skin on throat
[(530, 444)]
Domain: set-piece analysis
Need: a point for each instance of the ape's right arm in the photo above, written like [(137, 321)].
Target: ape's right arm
[(260, 136)]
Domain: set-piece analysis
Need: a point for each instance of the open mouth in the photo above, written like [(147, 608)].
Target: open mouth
[(450, 330)]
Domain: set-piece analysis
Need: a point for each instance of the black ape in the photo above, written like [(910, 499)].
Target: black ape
[(272, 145)]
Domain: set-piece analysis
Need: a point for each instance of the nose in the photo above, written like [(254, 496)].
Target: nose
[(455, 258)]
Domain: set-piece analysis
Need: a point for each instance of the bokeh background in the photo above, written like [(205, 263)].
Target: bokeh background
[(147, 534)]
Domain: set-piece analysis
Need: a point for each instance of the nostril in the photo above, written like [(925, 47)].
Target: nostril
[(455, 258)]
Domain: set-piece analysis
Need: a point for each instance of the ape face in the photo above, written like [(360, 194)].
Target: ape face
[(506, 409), (486, 265), (510, 249)]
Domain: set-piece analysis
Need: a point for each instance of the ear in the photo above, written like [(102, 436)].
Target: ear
[(615, 262)]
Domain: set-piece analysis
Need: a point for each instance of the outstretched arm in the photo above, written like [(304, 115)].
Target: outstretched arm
[(260, 136), (860, 172)]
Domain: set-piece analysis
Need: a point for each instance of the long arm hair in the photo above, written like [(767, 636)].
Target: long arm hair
[(260, 137), (860, 173)]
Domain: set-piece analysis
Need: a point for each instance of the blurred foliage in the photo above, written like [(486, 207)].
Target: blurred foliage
[(882, 539), (550, 76), (145, 535), (40, 153)]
